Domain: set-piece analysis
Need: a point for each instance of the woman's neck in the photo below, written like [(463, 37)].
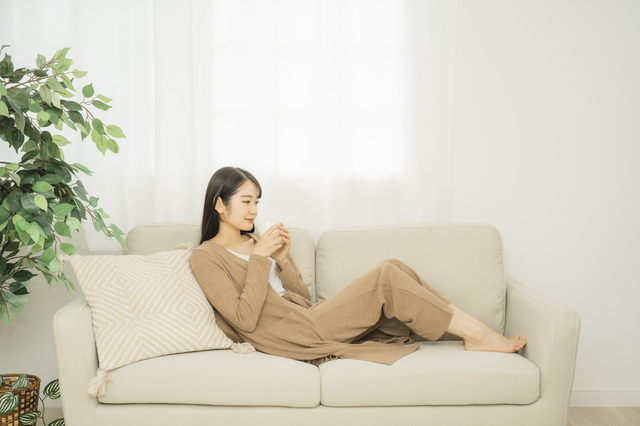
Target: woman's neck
[(228, 236)]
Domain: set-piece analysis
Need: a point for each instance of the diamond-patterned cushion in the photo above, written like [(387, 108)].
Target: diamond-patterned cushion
[(146, 306)]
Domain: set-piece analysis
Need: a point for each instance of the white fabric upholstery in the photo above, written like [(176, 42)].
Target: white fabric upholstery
[(208, 415), (218, 377), (439, 373), (463, 262)]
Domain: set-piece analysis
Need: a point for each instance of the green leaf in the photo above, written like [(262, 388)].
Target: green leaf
[(100, 105), (60, 140), (74, 223), (93, 202), (48, 255), (23, 276), (104, 98), (62, 229), (52, 390), (42, 186), (8, 402), (62, 210), (67, 82), (43, 118), (15, 178), (14, 201), (3, 90), (41, 60), (2, 169), (55, 100), (113, 146), (3, 109), (68, 248), (29, 204), (73, 106), (97, 124), (17, 307), (76, 117), (45, 93), (22, 382), (4, 215), (87, 91), (59, 422), (29, 418), (51, 179), (70, 124), (103, 213), (18, 289), (3, 224), (55, 265), (41, 201), (115, 131), (103, 145), (54, 84), (96, 137), (13, 166), (82, 168), (79, 74), (60, 54), (34, 107)]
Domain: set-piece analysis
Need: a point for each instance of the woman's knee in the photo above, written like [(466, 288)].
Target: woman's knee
[(393, 261)]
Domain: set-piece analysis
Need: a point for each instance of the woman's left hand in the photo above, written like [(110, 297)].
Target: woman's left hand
[(281, 254)]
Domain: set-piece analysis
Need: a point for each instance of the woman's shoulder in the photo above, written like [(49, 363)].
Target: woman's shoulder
[(207, 249)]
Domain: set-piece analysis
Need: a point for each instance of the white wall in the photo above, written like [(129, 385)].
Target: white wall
[(546, 145)]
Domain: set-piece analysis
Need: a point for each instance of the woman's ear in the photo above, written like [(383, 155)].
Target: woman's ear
[(219, 206)]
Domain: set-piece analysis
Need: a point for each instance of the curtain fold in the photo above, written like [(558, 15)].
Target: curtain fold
[(341, 108)]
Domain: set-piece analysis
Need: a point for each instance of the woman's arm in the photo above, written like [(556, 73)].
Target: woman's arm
[(292, 279), (241, 308)]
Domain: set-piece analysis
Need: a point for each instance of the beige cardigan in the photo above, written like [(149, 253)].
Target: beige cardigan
[(280, 325)]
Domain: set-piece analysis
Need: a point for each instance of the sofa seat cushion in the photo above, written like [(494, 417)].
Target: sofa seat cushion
[(439, 373), (219, 377)]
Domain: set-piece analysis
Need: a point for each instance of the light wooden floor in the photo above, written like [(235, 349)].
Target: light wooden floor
[(578, 416), (604, 416)]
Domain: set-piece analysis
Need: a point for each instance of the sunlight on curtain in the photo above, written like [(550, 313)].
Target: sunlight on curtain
[(341, 108)]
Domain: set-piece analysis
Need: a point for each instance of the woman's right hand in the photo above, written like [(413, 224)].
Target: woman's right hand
[(269, 242)]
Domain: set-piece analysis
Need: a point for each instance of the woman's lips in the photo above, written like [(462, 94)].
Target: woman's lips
[(249, 220)]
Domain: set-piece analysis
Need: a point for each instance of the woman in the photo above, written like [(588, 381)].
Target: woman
[(256, 287)]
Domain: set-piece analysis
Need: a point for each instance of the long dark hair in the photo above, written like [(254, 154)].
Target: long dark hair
[(224, 183)]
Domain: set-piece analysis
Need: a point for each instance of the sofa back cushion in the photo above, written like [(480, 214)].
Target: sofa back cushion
[(157, 237), (461, 261)]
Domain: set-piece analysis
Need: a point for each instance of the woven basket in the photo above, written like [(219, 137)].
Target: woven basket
[(28, 397)]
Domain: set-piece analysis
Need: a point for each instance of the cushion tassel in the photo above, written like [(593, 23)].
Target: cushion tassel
[(243, 348), (98, 386)]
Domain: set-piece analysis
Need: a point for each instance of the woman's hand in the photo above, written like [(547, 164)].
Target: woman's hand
[(274, 242), (281, 254)]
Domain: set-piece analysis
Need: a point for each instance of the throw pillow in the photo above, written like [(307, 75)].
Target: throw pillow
[(146, 306)]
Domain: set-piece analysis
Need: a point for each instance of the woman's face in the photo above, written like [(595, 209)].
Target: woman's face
[(242, 209)]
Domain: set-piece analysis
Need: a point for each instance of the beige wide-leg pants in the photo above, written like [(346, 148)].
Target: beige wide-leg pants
[(391, 289)]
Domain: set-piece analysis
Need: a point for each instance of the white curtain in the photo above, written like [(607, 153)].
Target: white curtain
[(341, 108)]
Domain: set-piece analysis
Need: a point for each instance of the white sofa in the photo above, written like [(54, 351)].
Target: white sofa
[(439, 384)]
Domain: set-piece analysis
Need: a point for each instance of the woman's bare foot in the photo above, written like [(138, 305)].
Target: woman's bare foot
[(491, 341), (479, 337)]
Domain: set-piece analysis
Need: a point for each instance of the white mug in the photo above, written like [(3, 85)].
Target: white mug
[(263, 227)]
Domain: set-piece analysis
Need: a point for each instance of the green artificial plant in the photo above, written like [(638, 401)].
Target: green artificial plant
[(42, 196), (10, 401)]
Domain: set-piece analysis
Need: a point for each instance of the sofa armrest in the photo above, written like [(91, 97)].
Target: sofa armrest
[(77, 360), (552, 331)]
